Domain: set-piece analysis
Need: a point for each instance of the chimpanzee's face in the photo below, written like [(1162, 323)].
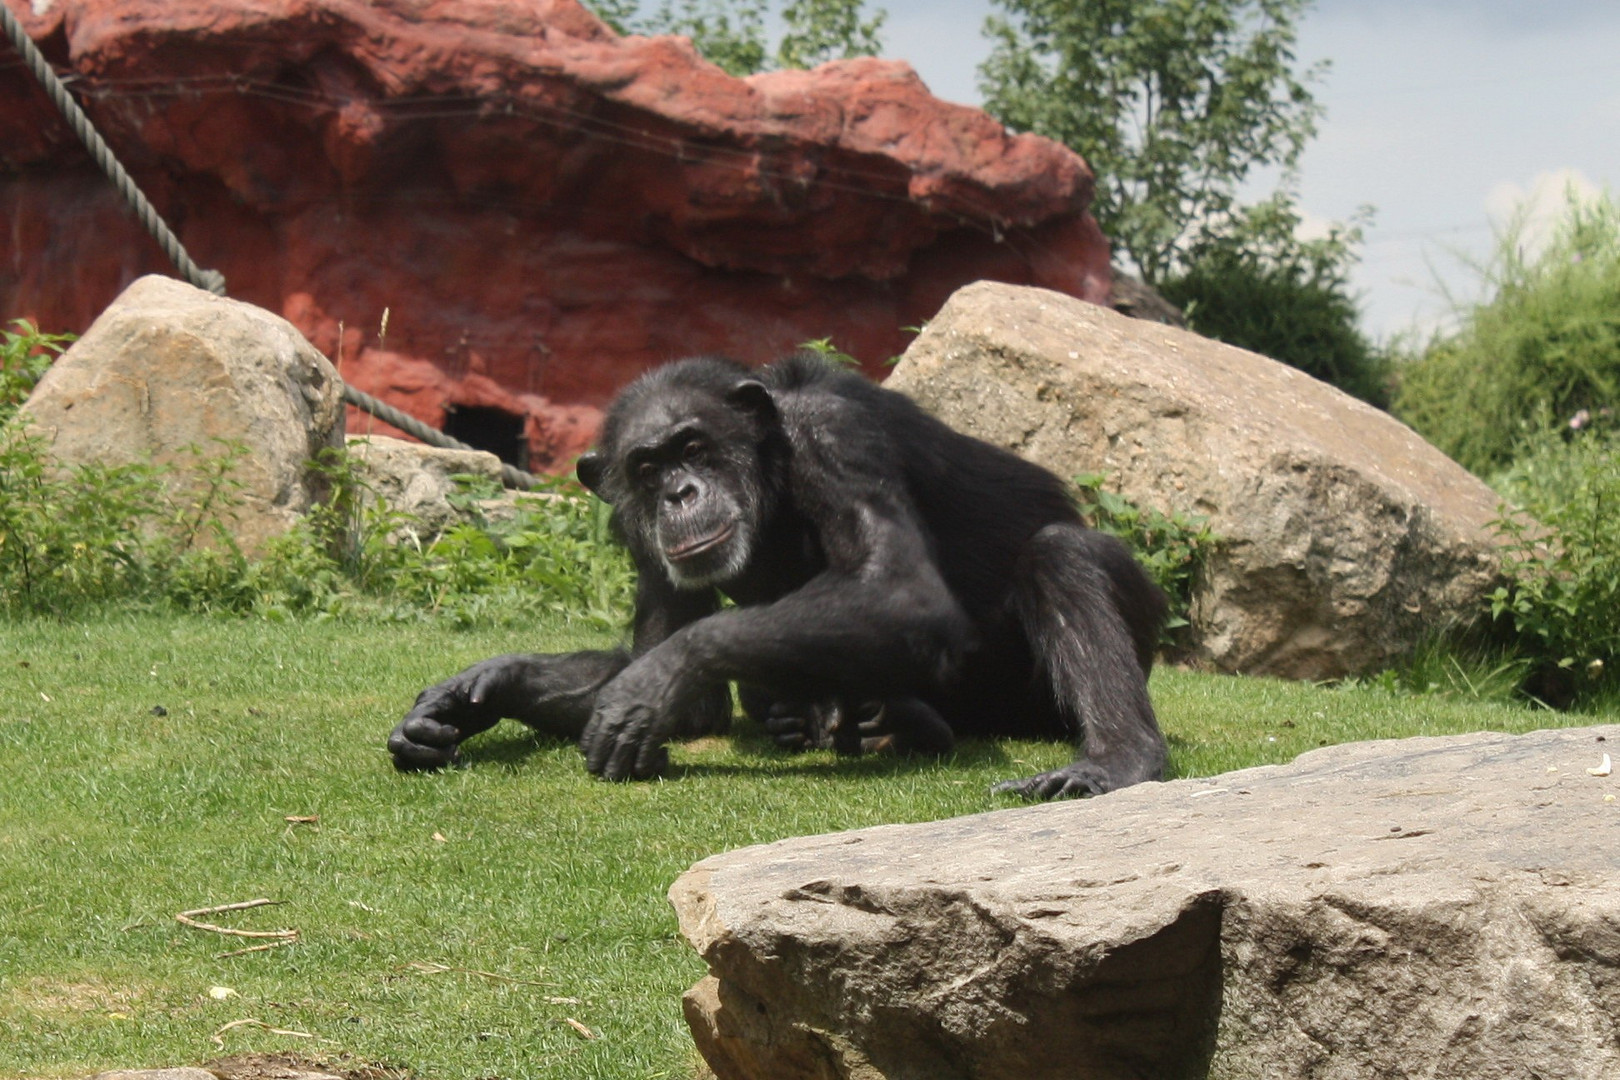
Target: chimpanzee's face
[(683, 473)]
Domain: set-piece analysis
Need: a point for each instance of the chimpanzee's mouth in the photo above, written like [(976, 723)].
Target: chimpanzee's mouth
[(693, 548)]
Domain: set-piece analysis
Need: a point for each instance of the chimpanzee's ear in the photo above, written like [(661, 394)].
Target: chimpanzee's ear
[(590, 468), (750, 396)]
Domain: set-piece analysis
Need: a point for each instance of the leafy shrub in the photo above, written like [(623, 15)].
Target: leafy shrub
[(1561, 557), (1546, 343), (95, 536), (68, 539), (1449, 666), (355, 555), (1172, 547), (1256, 286), (25, 353)]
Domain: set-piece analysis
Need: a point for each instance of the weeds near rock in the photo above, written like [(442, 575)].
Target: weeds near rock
[(1173, 547), (1561, 557)]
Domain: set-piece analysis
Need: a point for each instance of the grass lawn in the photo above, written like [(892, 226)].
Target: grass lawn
[(474, 923)]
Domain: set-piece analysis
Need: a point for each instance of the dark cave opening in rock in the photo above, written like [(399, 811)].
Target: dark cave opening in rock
[(488, 428)]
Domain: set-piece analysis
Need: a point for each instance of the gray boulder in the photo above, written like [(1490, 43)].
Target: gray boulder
[(169, 367), (1347, 537), (1436, 907), (418, 480)]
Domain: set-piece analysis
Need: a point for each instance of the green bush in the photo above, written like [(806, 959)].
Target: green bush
[(1257, 286), (25, 353), (355, 555), (1172, 547), (1561, 557), (94, 536), (68, 540), (1287, 313), (1546, 344)]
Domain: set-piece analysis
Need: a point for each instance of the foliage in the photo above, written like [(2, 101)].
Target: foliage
[(821, 30), (95, 536), (1173, 547), (1257, 286), (1453, 667), (1561, 558), (732, 33), (824, 348), (354, 554), (68, 540), (1545, 344), (1173, 103), (25, 354)]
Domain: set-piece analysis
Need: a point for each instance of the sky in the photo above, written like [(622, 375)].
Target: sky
[(1443, 115)]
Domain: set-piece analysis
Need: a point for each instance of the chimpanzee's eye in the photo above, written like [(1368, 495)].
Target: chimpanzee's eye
[(647, 474), (692, 451)]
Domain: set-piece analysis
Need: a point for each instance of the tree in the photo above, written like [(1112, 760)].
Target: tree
[(821, 30), (1172, 102), (1258, 285), (731, 33)]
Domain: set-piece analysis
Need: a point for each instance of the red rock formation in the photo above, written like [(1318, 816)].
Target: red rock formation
[(543, 209)]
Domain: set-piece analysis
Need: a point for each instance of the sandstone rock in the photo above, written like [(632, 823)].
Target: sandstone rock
[(1347, 538), (167, 368), (417, 480), (1439, 907), (529, 197)]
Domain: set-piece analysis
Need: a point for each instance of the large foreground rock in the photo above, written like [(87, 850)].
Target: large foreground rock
[(1443, 907), (1346, 537), (168, 370)]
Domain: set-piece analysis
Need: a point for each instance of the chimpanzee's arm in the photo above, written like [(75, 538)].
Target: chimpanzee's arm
[(555, 694), (879, 620)]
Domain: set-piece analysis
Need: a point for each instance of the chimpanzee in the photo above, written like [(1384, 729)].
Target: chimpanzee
[(894, 584)]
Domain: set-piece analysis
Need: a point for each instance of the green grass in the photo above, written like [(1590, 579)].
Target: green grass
[(519, 867)]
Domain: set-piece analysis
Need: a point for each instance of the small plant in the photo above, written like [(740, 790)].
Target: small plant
[(25, 354), (69, 538), (89, 536), (354, 554), (1454, 668), (1172, 547), (824, 348), (1561, 557)]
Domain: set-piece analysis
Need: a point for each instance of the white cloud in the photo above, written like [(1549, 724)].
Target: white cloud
[(1537, 208), (1314, 226)]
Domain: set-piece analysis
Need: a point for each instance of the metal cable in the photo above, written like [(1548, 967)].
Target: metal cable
[(211, 280), (510, 475)]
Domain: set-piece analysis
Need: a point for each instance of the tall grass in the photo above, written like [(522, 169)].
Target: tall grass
[(1543, 346)]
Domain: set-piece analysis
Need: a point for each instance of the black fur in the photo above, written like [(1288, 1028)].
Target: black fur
[(895, 584)]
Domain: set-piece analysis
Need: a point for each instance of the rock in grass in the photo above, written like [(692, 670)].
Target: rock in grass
[(1346, 539), (1435, 907), (169, 369)]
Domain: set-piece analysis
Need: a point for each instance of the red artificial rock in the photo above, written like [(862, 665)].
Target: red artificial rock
[(542, 208)]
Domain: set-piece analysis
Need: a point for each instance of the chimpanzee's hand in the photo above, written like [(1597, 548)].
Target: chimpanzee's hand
[(1072, 781), (898, 725), (463, 705), (805, 725), (635, 715)]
